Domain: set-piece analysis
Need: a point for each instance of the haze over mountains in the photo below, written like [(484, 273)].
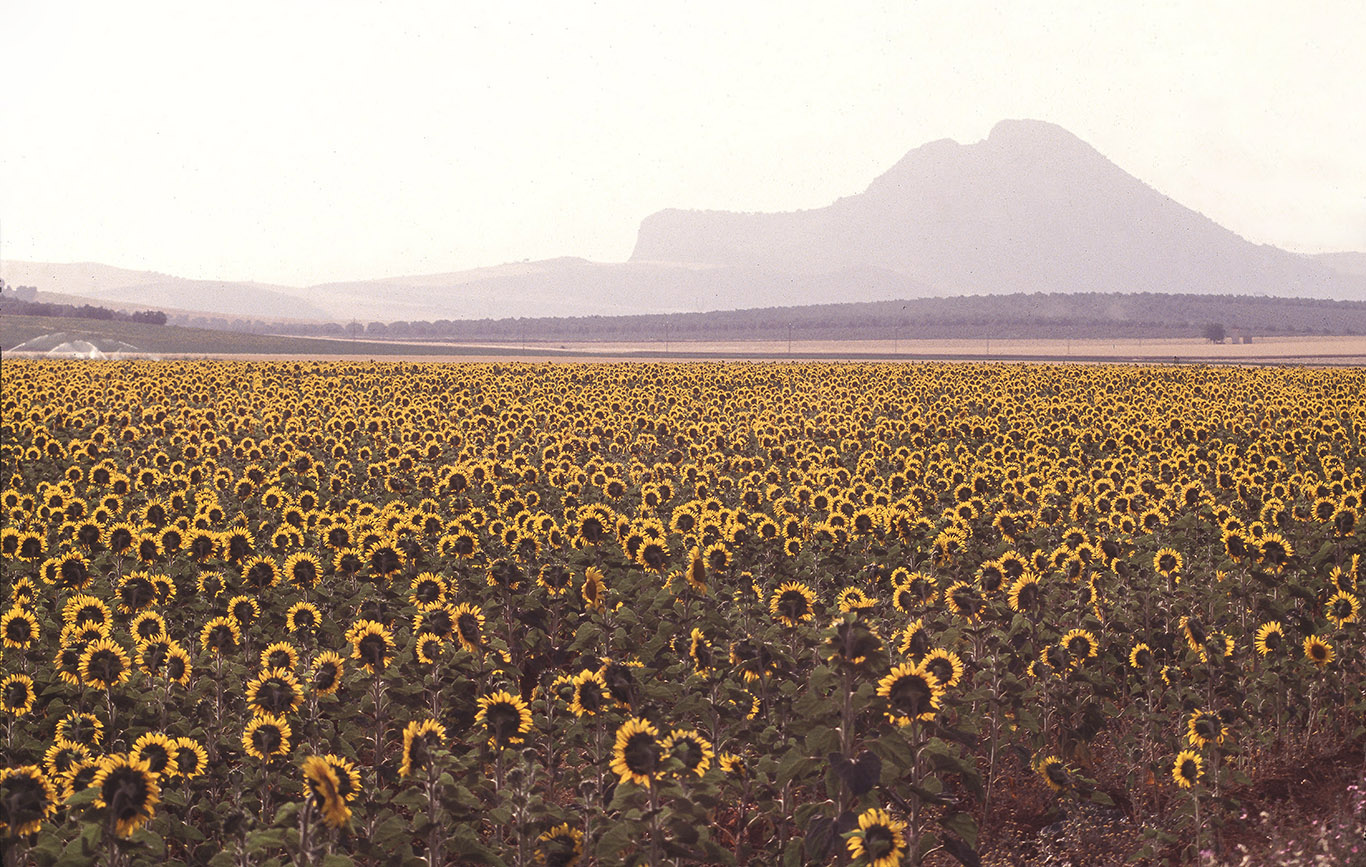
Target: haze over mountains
[(1032, 208)]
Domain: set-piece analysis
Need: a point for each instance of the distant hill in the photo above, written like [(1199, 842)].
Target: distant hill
[(1032, 208), (103, 284)]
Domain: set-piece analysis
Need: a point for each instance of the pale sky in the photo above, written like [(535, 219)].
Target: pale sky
[(302, 142)]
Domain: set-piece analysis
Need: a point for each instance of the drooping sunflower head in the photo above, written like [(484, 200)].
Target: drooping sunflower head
[(1079, 645), (266, 736), (302, 619), (303, 570), (328, 668), (281, 654), (636, 754), (420, 737), (1025, 594), (128, 790), (911, 692), (17, 695), (590, 695), (19, 628), (879, 840), (104, 664), (157, 750), (1055, 773), (469, 626), (372, 643), (1205, 727), (275, 691), (793, 603), (505, 717), (1167, 562), (27, 799), (324, 786), (1141, 657), (964, 600), (81, 728), (560, 846)]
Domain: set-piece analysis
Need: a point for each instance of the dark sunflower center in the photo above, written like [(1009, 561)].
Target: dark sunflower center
[(324, 677), (156, 757), (793, 605), (16, 694), (911, 695), (19, 630), (266, 739), (878, 842), (106, 666), (590, 696), (73, 573), (175, 668), (275, 695), (125, 791), (1029, 594), (641, 754), (469, 628), (137, 594), (503, 720), (373, 649)]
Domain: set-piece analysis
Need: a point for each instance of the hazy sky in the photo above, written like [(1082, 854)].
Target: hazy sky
[(297, 142)]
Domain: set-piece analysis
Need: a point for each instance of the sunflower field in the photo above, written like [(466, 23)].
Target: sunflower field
[(336, 613)]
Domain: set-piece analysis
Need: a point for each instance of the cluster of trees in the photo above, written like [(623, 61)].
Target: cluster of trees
[(19, 301), (1019, 316)]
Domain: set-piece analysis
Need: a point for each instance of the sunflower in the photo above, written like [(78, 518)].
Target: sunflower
[(1168, 562), (281, 654), (1275, 551), (189, 758), (323, 785), (469, 626), (1186, 769), (1025, 593), (1141, 657), (62, 756), (19, 628), (1342, 608), (505, 718), (690, 748), (1318, 651), (104, 664), (72, 571), (914, 640), (220, 635), (372, 643), (912, 693), (275, 691), (590, 695), (81, 728), (792, 603), (1204, 728), (147, 626), (1270, 638), (853, 599), (266, 736), (27, 799), (245, 610), (1079, 645), (964, 600), (211, 585), (258, 573), (328, 668), (128, 790), (156, 750), (561, 846), (879, 840), (419, 737), (302, 618), (1055, 773), (427, 589), (17, 695), (700, 651), (554, 577), (944, 665), (636, 754), (82, 609), (593, 588)]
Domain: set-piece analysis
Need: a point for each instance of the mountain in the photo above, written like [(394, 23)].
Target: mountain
[(1032, 208)]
